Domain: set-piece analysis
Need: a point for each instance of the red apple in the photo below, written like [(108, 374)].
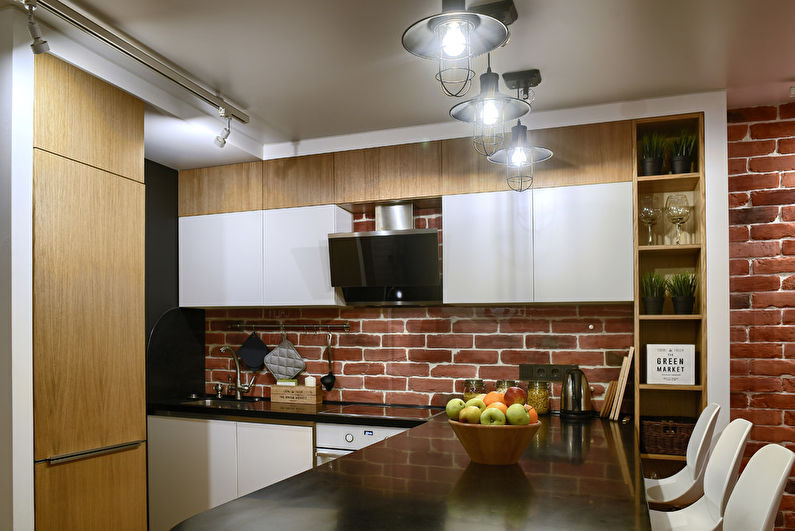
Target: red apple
[(515, 395)]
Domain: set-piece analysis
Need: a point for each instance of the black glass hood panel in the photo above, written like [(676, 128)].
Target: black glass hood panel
[(392, 267)]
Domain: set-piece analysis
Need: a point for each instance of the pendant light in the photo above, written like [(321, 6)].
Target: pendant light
[(519, 159), (488, 113), (452, 38)]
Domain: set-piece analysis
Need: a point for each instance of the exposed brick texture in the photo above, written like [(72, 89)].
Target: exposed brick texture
[(762, 278)]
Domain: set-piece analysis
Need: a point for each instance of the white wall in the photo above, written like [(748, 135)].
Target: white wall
[(713, 104), (16, 287)]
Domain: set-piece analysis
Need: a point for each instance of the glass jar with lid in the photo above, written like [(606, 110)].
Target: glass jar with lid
[(473, 387), (538, 396), (503, 385)]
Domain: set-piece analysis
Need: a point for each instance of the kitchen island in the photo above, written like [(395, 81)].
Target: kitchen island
[(574, 475)]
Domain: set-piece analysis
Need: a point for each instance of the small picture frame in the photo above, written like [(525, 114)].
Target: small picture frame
[(670, 364)]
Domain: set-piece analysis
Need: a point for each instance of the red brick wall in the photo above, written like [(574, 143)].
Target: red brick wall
[(420, 355), (762, 269)]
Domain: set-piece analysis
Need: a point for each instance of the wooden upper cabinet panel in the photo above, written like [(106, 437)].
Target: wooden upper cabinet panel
[(82, 118), (298, 181), (464, 170), (356, 175), (221, 189), (584, 154), (410, 170), (88, 299)]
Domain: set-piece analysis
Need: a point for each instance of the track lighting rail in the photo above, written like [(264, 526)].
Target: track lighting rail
[(115, 40)]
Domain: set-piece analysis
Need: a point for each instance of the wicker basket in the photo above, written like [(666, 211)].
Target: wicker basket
[(666, 435)]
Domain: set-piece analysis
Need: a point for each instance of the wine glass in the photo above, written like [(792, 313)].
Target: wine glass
[(648, 214), (677, 211)]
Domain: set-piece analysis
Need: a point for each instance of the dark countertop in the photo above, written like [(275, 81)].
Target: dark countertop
[(581, 475), (337, 413)]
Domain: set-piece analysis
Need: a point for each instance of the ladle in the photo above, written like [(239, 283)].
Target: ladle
[(328, 380)]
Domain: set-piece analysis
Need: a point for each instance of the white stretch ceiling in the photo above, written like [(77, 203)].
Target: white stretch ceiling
[(307, 69)]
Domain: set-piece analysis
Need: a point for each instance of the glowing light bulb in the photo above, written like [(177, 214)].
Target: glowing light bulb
[(518, 157), (454, 42), (490, 112)]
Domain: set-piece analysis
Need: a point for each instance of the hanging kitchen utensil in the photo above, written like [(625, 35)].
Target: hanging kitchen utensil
[(328, 380), (253, 352), (284, 362)]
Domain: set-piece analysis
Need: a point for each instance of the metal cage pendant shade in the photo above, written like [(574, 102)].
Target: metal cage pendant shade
[(488, 113), (452, 38), (519, 159)]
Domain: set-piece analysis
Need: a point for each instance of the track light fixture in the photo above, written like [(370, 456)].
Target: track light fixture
[(220, 140), (456, 35), (39, 45), (488, 113)]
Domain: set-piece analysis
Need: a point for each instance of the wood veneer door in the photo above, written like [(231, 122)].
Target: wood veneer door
[(88, 315), (298, 181), (81, 117), (410, 170), (97, 493), (221, 189)]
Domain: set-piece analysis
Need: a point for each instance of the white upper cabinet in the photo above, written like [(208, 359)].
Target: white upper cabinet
[(583, 243), (487, 248), (296, 262), (220, 260)]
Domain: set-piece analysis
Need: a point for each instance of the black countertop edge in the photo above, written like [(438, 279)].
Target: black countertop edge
[(327, 412)]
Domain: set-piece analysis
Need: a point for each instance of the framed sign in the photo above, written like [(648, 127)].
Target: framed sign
[(671, 364)]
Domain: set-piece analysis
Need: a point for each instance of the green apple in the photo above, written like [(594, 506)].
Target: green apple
[(517, 414), (470, 415), (477, 402), (492, 417), (454, 407)]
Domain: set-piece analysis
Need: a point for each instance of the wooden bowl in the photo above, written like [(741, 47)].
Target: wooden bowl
[(494, 445)]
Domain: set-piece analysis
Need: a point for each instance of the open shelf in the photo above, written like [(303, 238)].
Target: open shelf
[(664, 457), (670, 317), (685, 248), (667, 387), (679, 182)]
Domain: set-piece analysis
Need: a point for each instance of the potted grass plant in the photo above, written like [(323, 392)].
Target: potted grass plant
[(682, 149), (653, 286), (652, 152), (682, 287)]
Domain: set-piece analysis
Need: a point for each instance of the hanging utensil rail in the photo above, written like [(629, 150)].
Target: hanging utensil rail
[(343, 327)]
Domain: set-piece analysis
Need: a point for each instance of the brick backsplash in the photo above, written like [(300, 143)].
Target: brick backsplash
[(762, 282), (421, 355)]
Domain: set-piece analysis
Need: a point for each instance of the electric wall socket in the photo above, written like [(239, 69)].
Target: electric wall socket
[(544, 371)]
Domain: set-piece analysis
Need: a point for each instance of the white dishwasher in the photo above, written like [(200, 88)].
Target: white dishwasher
[(335, 440)]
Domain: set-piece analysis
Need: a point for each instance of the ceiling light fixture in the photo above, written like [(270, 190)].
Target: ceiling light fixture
[(220, 140), (38, 45), (488, 113), (454, 36), (519, 157)]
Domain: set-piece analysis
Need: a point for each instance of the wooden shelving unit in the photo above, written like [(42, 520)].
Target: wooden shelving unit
[(666, 258)]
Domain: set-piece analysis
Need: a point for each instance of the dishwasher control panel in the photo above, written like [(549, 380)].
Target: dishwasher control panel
[(351, 436)]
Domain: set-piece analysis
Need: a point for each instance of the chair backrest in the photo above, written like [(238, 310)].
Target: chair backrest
[(701, 440), (756, 496), (724, 465)]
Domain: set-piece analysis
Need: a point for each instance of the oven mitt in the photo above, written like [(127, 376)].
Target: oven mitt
[(253, 352), (284, 361)]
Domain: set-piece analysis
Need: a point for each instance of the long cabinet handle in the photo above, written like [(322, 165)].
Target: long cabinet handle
[(74, 456)]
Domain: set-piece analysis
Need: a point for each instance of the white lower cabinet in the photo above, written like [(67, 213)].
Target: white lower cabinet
[(198, 464)]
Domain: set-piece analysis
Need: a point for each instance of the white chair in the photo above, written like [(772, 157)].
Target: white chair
[(687, 485), (757, 495), (720, 475)]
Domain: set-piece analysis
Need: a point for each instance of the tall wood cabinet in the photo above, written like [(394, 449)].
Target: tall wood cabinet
[(662, 255), (88, 295)]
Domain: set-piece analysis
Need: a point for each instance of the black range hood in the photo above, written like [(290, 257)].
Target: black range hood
[(387, 267)]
